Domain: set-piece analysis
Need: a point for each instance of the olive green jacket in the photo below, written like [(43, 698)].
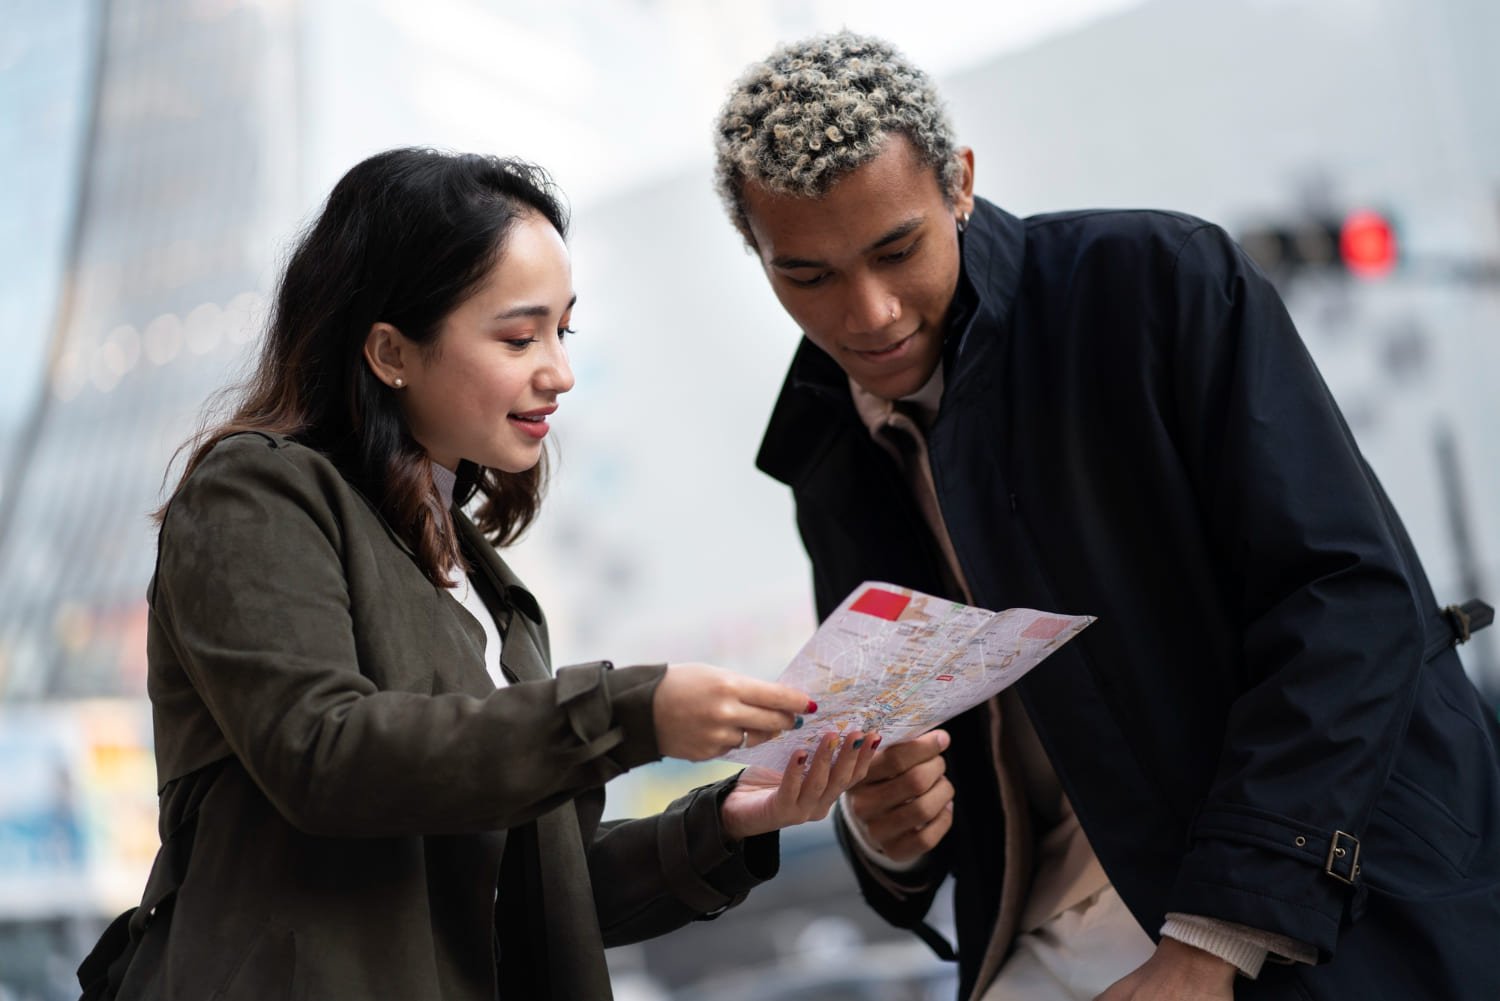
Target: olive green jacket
[(351, 808)]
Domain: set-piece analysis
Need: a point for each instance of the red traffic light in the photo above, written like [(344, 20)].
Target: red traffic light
[(1367, 244)]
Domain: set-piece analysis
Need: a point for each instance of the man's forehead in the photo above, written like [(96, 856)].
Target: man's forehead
[(857, 211)]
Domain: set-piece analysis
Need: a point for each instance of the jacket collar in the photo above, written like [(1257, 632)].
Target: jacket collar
[(523, 653), (815, 405), (505, 582)]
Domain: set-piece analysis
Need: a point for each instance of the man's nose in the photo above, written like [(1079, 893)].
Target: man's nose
[(870, 307)]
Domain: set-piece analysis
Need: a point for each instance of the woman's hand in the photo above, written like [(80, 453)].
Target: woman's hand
[(701, 711), (763, 801)]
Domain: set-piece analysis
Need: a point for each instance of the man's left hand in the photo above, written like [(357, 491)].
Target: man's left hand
[(1176, 971)]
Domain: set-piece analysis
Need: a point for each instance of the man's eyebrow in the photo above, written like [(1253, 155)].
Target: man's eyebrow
[(896, 233), (532, 310)]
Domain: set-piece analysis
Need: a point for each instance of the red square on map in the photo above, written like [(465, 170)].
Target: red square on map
[(1045, 629), (881, 604)]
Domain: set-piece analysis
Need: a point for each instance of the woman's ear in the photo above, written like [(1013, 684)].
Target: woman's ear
[(388, 354)]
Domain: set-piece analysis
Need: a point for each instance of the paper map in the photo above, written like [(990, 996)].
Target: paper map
[(900, 662)]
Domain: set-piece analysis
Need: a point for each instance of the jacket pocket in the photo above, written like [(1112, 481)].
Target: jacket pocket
[(267, 969), (1425, 829)]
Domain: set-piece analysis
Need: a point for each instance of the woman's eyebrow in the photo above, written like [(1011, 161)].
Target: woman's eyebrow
[(532, 310)]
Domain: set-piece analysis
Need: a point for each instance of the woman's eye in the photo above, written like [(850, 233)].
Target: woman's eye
[(521, 342), (563, 332)]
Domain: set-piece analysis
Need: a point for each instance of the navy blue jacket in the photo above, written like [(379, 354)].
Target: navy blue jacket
[(1132, 428)]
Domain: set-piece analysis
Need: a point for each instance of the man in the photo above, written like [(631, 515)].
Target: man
[(1265, 747)]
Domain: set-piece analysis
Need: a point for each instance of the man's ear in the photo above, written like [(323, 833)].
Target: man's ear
[(389, 355), (963, 194)]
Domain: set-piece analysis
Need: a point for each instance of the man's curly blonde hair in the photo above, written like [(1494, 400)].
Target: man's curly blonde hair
[(815, 110)]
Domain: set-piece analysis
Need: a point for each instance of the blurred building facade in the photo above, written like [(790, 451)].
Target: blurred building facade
[(181, 166)]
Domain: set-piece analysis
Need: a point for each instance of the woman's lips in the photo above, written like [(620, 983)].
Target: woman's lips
[(533, 422)]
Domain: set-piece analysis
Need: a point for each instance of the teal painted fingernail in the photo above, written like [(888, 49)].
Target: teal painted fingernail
[(796, 722), (858, 742)]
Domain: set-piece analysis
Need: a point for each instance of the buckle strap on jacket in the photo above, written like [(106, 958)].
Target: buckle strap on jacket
[(1336, 852), (583, 695), (1467, 619), (1451, 625)]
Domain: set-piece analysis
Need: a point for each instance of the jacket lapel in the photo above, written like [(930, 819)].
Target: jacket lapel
[(523, 654)]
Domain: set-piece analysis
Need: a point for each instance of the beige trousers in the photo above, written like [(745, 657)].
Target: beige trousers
[(1074, 956)]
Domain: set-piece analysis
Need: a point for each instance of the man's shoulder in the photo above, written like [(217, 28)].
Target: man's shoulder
[(1121, 239), (1103, 224)]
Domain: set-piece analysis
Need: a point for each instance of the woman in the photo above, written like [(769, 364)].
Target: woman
[(372, 785)]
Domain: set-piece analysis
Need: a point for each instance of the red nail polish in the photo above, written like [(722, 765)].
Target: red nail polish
[(875, 743), (812, 706), (800, 759)]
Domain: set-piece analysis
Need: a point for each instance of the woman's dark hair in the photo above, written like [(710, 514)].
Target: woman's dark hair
[(404, 238)]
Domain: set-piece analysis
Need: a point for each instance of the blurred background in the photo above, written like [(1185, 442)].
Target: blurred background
[(160, 155)]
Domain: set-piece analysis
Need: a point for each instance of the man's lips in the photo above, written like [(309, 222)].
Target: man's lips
[(893, 350)]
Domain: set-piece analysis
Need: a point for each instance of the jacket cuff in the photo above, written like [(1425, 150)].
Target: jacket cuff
[(609, 710), (1217, 938), (705, 870), (904, 884), (1246, 948), (1263, 871), (861, 839)]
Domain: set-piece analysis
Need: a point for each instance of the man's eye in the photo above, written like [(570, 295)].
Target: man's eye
[(900, 255), (807, 282)]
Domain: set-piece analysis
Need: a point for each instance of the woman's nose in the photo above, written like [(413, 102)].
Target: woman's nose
[(556, 373)]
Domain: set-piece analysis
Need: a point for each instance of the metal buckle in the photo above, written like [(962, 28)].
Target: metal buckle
[(1338, 853)]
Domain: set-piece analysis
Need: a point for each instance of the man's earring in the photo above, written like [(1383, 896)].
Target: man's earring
[(963, 221), (398, 382)]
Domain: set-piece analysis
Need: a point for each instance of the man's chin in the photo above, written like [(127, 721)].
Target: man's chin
[(892, 385)]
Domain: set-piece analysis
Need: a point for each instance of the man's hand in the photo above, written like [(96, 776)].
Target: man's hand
[(1176, 972), (905, 804)]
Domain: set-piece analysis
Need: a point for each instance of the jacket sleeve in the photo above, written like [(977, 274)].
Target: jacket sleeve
[(251, 591), (658, 873), (1312, 567), (901, 898)]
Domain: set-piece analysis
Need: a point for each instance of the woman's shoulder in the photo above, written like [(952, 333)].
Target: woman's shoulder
[(262, 453), (250, 463)]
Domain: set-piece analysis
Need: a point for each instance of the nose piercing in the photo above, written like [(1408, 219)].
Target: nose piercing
[(893, 310)]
